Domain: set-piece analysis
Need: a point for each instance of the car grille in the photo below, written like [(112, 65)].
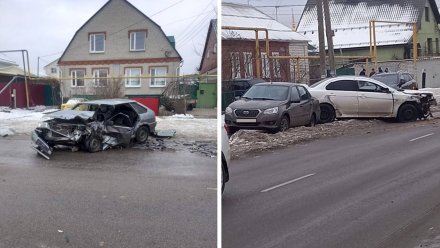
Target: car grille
[(246, 113)]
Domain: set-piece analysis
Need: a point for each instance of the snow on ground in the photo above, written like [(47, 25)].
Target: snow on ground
[(22, 121)]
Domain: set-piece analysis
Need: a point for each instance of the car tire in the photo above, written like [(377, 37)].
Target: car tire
[(312, 121), (327, 113), (142, 134), (284, 124), (407, 113), (93, 144)]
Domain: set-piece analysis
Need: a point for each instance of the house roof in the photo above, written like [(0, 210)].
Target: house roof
[(350, 20), (212, 28), (240, 15), (132, 6)]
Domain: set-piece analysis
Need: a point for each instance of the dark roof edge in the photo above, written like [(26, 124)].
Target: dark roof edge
[(211, 26)]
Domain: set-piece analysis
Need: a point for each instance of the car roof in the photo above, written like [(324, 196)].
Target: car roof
[(278, 83), (114, 101)]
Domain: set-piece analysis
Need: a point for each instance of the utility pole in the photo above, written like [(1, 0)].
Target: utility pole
[(320, 14), (329, 33)]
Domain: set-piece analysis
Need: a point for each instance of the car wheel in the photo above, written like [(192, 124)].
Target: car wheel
[(141, 134), (93, 144), (327, 113), (312, 121), (407, 112), (284, 124)]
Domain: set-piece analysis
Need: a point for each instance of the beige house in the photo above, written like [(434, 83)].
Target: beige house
[(52, 69), (118, 45)]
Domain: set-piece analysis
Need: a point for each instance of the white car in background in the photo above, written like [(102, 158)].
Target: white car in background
[(226, 157), (363, 97)]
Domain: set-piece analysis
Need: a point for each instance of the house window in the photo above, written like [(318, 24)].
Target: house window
[(137, 40), (276, 65), (429, 44), (265, 65), (158, 72), (235, 64), (97, 43), (77, 77), (100, 77), (133, 77), (248, 65), (53, 70), (427, 14)]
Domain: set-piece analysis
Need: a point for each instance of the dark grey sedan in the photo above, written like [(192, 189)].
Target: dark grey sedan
[(274, 107), (95, 126)]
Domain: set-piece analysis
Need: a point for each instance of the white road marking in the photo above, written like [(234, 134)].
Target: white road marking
[(288, 182), (211, 188), (421, 137)]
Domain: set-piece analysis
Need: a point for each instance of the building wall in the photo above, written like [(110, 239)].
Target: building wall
[(210, 59), (117, 55), (428, 30), (241, 46)]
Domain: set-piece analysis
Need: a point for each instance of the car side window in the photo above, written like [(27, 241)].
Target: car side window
[(366, 86), (303, 94), (294, 95), (139, 109), (407, 77), (343, 85)]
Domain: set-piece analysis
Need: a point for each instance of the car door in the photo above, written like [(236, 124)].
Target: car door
[(374, 101), (343, 95), (294, 107), (306, 105)]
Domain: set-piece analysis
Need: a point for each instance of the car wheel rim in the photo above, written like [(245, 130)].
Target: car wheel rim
[(408, 114), (284, 124)]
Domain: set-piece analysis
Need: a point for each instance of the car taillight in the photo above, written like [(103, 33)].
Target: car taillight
[(226, 128)]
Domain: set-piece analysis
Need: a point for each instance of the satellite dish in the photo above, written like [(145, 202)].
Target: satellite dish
[(167, 54)]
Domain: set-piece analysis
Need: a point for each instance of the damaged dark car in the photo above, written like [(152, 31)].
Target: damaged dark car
[(94, 126)]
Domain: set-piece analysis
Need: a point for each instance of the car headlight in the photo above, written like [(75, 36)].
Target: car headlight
[(271, 111), (228, 110), (43, 125)]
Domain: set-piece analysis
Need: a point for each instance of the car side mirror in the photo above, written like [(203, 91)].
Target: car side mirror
[(386, 90)]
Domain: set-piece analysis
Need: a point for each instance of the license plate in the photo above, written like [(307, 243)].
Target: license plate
[(247, 120)]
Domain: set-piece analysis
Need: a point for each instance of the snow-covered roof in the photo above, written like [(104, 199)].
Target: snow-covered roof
[(350, 20), (239, 15)]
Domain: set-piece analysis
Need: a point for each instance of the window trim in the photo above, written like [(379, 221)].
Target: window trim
[(75, 79), (127, 79), (94, 78), (154, 79), (94, 40), (129, 40), (248, 64)]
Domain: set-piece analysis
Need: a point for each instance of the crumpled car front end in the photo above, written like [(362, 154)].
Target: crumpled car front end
[(427, 100)]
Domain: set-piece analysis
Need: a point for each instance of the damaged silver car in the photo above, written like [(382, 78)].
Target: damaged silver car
[(94, 126)]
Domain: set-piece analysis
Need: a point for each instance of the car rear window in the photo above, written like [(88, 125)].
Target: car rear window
[(343, 85)]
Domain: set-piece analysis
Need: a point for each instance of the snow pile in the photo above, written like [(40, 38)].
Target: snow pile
[(246, 142), (181, 116), (20, 121), (6, 131)]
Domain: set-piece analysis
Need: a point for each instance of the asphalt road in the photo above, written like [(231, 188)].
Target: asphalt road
[(375, 190), (116, 198)]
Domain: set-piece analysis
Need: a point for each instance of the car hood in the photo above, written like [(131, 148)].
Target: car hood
[(255, 104), (71, 114)]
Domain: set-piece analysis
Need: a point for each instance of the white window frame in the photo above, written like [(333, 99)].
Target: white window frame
[(235, 65), (158, 82), (97, 80), (133, 35), (75, 78), (130, 82), (265, 65), (276, 65), (248, 65), (92, 39)]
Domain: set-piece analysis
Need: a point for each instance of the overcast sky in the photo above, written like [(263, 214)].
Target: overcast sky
[(45, 27)]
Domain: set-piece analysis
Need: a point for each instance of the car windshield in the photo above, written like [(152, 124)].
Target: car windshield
[(267, 92), (391, 80), (85, 107)]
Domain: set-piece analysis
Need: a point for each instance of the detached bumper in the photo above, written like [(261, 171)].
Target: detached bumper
[(40, 146)]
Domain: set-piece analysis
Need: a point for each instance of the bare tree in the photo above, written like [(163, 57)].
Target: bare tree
[(107, 89)]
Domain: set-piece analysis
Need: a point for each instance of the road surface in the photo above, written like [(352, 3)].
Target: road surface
[(374, 190), (116, 198)]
